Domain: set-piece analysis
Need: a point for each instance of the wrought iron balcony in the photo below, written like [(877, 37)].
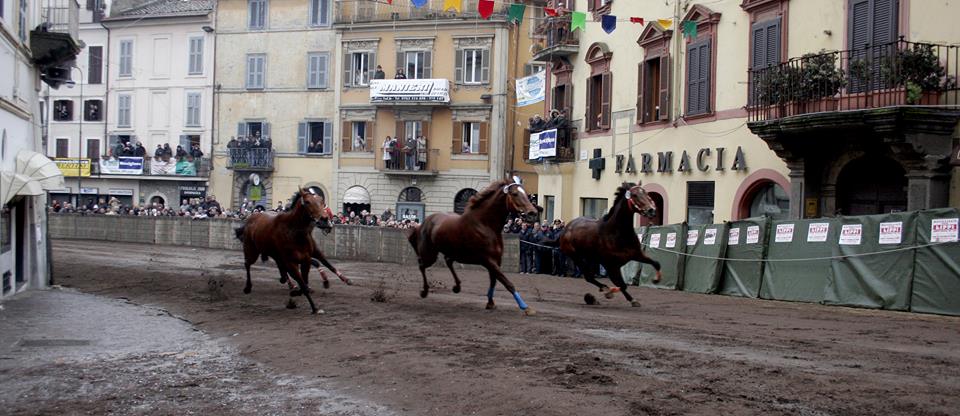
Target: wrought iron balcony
[(565, 151), (403, 163), (55, 43), (899, 73), (556, 40), (250, 159), (352, 12)]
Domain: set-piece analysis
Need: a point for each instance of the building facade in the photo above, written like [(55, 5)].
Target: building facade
[(38, 43), (674, 106), (158, 70), (276, 100), (424, 102)]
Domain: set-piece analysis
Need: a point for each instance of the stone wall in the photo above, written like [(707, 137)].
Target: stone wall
[(345, 242)]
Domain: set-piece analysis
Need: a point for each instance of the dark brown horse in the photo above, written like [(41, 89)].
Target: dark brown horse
[(286, 238), (611, 240), (474, 237)]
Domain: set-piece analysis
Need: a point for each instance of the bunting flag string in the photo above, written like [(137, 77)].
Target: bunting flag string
[(418, 3), (638, 20), (453, 4), (578, 20), (689, 28), (485, 8), (516, 13), (665, 23), (549, 11), (608, 23)]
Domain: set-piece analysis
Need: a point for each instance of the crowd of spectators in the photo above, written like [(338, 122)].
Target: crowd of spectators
[(538, 251), (558, 120), (250, 150), (162, 152), (386, 219), (195, 208)]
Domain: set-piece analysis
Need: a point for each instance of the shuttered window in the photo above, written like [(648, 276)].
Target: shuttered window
[(765, 48), (256, 68), (257, 11), (196, 56), (124, 104), (95, 65), (359, 68), (472, 66), (317, 70), (319, 12), (355, 137), (653, 97), (126, 58), (700, 201), (193, 109), (698, 77), (872, 27)]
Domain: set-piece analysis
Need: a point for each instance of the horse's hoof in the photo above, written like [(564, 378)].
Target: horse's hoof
[(424, 293), (456, 289), (609, 293), (291, 304), (246, 290), (635, 304), (326, 284), (491, 306), (295, 292), (318, 312), (348, 281), (656, 279), (529, 311), (283, 280)]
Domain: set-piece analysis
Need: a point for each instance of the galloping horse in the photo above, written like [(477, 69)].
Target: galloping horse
[(474, 237), (287, 238), (610, 241)]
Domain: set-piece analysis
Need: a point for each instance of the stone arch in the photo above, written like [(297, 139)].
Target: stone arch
[(157, 194), (750, 185), (461, 198), (662, 209), (872, 184), (411, 194)]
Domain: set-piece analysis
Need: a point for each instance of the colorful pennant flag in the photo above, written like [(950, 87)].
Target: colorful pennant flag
[(418, 3), (550, 11), (609, 23), (516, 13), (689, 28), (456, 5), (485, 8), (389, 1), (577, 20), (636, 20), (665, 23)]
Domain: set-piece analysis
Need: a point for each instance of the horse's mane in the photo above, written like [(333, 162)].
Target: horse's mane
[(621, 191), (486, 193), (293, 200)]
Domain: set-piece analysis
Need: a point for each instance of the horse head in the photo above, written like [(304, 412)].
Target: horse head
[(519, 202), (638, 200), (315, 207)]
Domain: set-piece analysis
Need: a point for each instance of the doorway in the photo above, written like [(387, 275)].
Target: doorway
[(871, 185)]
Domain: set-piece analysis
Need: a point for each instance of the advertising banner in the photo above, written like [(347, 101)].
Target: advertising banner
[(543, 144), (123, 165), (73, 167), (410, 90), (531, 90), (161, 167)]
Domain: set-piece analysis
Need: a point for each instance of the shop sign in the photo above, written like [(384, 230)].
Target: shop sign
[(851, 234), (409, 90), (703, 160), (891, 232), (943, 230), (784, 233), (89, 191), (817, 232), (73, 167), (120, 192), (734, 237), (193, 191)]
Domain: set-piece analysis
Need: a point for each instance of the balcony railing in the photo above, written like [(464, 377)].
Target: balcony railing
[(55, 43), (148, 166), (61, 16), (555, 38), (250, 159), (409, 163), (899, 73), (565, 151), (350, 12)]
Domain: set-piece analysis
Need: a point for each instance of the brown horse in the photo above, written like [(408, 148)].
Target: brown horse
[(610, 241), (474, 237), (286, 238)]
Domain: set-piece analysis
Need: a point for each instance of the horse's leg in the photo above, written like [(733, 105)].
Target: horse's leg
[(616, 277), (285, 279), (493, 286), (589, 272), (426, 259), (496, 273), (456, 280), (656, 265), (249, 257), (319, 256), (297, 272)]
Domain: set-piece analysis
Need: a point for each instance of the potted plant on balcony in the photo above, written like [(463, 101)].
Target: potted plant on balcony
[(820, 81), (774, 89), (918, 71)]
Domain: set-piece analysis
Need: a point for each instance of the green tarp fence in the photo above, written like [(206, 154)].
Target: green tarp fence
[(810, 241), (631, 270), (879, 273), (705, 245), (664, 244), (742, 278), (936, 281)]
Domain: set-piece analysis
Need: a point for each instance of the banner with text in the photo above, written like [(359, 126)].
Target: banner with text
[(73, 167), (124, 165), (409, 90), (543, 144), (531, 90)]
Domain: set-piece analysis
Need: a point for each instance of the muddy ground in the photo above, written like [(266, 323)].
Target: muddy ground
[(677, 354)]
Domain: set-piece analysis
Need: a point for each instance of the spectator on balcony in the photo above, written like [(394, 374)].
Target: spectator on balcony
[(537, 124), (359, 143), (315, 146), (167, 151), (421, 153), (266, 143), (157, 154), (400, 74), (181, 154), (387, 150), (409, 153), (140, 151), (127, 150), (195, 151), (379, 74), (232, 144), (185, 206)]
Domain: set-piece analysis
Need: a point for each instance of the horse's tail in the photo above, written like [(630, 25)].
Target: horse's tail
[(413, 236), (240, 231)]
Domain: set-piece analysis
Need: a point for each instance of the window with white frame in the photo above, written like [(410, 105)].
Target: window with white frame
[(124, 105), (22, 26), (256, 68), (126, 58), (359, 136), (530, 69), (358, 68), (472, 66), (471, 138), (257, 11), (317, 70), (193, 109), (315, 137), (319, 12), (416, 64), (196, 56), (63, 110)]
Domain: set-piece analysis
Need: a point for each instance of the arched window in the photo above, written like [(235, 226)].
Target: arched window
[(770, 199), (461, 199), (410, 194)]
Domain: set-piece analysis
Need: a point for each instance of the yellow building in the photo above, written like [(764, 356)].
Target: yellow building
[(670, 105), (427, 142), (275, 100)]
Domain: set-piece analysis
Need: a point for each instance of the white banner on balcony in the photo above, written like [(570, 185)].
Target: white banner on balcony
[(530, 89), (543, 144), (123, 165), (410, 90), (161, 167)]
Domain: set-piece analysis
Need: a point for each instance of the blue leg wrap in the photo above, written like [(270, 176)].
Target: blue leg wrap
[(516, 295), (490, 293)]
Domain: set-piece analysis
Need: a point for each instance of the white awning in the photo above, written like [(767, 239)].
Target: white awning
[(356, 195), (40, 168), (13, 184)]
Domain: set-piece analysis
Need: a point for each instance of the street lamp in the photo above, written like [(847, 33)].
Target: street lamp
[(70, 84)]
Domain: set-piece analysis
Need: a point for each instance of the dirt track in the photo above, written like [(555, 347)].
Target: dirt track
[(445, 355)]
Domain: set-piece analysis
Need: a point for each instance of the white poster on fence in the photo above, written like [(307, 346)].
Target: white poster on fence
[(753, 234), (710, 236), (734, 237), (944, 230), (692, 236), (891, 232), (784, 233), (817, 232), (671, 240), (531, 89), (851, 234), (655, 240)]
